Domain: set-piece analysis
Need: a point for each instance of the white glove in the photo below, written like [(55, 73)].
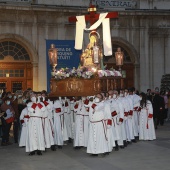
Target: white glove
[(130, 117), (109, 126), (120, 123)]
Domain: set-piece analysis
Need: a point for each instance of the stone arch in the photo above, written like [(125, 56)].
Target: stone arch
[(25, 43), (31, 51)]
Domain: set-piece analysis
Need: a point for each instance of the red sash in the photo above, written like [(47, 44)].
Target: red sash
[(22, 121), (93, 105), (76, 106), (86, 102), (58, 110), (114, 113), (126, 114), (34, 105), (120, 120), (150, 115), (45, 103), (130, 112), (109, 122), (27, 116), (40, 105)]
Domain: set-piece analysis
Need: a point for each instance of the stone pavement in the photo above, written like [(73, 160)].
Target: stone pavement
[(143, 155)]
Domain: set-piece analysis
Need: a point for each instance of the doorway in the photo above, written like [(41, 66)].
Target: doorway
[(15, 67)]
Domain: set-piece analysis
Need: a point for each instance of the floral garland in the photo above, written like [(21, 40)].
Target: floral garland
[(84, 72)]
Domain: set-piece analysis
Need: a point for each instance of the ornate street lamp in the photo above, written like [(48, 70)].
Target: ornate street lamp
[(52, 53), (119, 55)]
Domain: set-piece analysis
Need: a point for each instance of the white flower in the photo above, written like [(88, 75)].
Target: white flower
[(112, 73), (87, 73)]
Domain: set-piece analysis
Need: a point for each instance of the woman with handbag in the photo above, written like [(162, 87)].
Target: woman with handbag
[(7, 120)]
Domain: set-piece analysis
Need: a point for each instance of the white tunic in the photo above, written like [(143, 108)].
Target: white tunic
[(72, 118), (124, 126), (114, 109), (64, 119), (146, 125), (108, 121), (81, 124), (67, 117), (97, 142), (130, 118), (136, 105), (120, 122), (59, 123), (48, 125), (35, 136), (24, 118)]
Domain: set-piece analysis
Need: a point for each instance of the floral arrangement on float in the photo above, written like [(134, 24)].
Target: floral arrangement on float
[(84, 72)]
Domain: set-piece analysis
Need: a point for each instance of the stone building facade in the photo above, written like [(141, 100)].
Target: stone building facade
[(142, 31)]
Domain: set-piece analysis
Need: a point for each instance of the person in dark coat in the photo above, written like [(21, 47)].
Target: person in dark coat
[(158, 109), (7, 120)]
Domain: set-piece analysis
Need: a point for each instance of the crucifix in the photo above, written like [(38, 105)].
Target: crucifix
[(95, 20), (92, 17)]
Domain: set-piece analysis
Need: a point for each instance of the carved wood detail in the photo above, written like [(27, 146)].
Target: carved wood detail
[(83, 87)]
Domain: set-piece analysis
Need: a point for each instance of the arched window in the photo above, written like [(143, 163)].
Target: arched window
[(13, 50)]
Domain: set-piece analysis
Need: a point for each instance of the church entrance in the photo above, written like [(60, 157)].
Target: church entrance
[(16, 71)]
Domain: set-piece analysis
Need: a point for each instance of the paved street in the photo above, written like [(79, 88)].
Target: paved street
[(144, 155)]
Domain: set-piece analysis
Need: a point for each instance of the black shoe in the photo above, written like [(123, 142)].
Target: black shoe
[(32, 153), (39, 152), (125, 143), (128, 142), (134, 141), (4, 144), (59, 147), (121, 147), (70, 140), (53, 148), (107, 153), (94, 155), (116, 148), (103, 155), (136, 138)]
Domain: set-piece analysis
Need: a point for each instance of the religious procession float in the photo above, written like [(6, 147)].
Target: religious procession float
[(91, 77)]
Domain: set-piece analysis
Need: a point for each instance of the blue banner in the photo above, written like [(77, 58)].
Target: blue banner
[(67, 56)]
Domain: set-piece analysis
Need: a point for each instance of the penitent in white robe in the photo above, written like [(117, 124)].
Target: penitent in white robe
[(48, 128), (97, 142), (35, 136), (108, 121), (25, 118), (81, 124), (146, 125)]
